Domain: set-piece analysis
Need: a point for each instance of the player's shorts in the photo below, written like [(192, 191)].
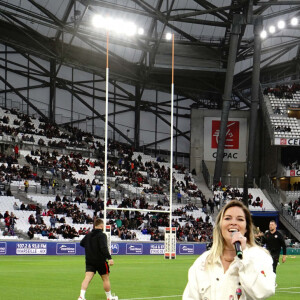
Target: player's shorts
[(102, 268)]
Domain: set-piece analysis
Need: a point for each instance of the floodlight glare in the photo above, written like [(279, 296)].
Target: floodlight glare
[(110, 23), (281, 24), (294, 21), (141, 31), (130, 28), (168, 36), (272, 29), (118, 26), (263, 34), (98, 21)]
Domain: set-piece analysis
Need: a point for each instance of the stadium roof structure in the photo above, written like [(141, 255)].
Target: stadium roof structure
[(62, 30)]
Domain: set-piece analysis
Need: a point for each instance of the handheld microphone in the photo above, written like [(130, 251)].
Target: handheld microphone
[(237, 246)]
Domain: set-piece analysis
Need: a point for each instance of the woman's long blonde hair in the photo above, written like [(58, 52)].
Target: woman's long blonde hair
[(218, 240)]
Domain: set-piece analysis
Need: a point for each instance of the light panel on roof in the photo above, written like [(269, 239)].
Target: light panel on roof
[(281, 24), (294, 21), (116, 25)]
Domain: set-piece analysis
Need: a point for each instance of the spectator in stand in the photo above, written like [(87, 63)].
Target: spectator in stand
[(179, 196), (30, 232), (7, 221), (8, 193), (26, 184), (53, 221), (97, 190), (16, 151), (211, 204)]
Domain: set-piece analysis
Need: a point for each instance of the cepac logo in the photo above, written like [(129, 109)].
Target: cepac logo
[(114, 248), (282, 141), (2, 248), (292, 173), (68, 249), (134, 249), (232, 134), (186, 249)]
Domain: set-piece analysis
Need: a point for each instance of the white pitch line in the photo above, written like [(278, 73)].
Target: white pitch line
[(288, 292), (289, 288), (152, 297)]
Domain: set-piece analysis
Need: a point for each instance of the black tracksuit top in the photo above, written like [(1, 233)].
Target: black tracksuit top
[(96, 250), (274, 242)]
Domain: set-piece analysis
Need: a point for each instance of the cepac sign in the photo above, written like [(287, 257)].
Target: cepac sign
[(293, 173), (186, 249), (134, 249), (3, 248), (235, 140), (286, 142), (67, 249), (232, 134)]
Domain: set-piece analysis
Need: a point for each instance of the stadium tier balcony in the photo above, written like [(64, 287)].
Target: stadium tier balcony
[(263, 204), (30, 130), (276, 104), (280, 105), (285, 127)]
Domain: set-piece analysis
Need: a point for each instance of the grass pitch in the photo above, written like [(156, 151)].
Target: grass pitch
[(147, 277)]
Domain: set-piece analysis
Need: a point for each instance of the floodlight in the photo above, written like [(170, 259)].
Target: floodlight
[(118, 26), (141, 31), (98, 21), (281, 24), (130, 28), (263, 34), (272, 29), (168, 36), (109, 23), (294, 21)]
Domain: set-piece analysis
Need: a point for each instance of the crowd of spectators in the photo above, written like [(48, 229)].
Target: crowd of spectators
[(71, 137), (283, 91), (64, 230), (122, 166), (9, 221), (282, 128), (294, 165), (294, 207), (224, 193)]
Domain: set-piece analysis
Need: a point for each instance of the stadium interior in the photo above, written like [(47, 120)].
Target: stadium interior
[(228, 125)]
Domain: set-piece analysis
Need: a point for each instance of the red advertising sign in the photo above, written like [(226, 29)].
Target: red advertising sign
[(282, 141), (232, 134)]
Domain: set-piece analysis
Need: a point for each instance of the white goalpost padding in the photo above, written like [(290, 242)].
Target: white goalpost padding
[(170, 243), (108, 235)]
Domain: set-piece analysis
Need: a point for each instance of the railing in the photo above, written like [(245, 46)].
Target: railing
[(267, 184), (275, 194), (234, 181)]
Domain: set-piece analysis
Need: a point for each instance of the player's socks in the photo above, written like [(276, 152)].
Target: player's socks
[(108, 294), (82, 294)]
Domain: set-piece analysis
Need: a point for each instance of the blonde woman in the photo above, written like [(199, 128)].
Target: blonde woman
[(218, 274)]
